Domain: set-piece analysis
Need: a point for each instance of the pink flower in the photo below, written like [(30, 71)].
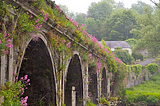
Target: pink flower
[(36, 38), (5, 34), (9, 45), (31, 16), (37, 20), (25, 77), (0, 41), (40, 26), (68, 44), (111, 74), (90, 56), (9, 41), (33, 36), (28, 80)]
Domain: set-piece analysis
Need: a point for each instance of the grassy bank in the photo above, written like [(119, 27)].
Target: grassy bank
[(145, 93)]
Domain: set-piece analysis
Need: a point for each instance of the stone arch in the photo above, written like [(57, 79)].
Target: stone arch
[(93, 84), (38, 64), (104, 82), (73, 77)]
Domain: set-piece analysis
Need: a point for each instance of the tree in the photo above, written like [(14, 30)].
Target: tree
[(131, 42), (65, 9), (120, 5), (119, 25), (100, 10), (139, 7), (90, 23), (123, 55), (80, 18), (148, 33)]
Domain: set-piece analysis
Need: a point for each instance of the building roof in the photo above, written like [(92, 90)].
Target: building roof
[(115, 44)]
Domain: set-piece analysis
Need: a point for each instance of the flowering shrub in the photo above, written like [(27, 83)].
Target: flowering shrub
[(5, 42), (13, 92)]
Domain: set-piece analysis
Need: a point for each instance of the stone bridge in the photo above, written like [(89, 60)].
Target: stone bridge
[(57, 76)]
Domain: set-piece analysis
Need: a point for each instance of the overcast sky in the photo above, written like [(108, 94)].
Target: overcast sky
[(81, 6)]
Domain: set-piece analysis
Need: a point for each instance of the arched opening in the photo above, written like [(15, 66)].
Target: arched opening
[(38, 66), (104, 83), (92, 87), (74, 78)]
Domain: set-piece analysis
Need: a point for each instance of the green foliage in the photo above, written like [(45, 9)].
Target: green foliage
[(128, 68), (103, 8), (147, 92), (93, 64), (3, 43), (89, 103), (122, 93), (123, 55), (119, 25), (12, 92), (152, 99), (147, 32), (104, 101), (26, 23), (80, 18), (144, 77), (152, 67), (131, 42), (112, 98), (137, 56), (139, 7), (86, 57), (143, 67), (39, 4), (137, 69)]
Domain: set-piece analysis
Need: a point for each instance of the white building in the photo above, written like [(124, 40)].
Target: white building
[(123, 44)]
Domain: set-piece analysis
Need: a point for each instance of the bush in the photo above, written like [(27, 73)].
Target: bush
[(137, 56), (137, 69), (152, 67), (152, 99), (131, 99), (123, 55), (141, 98), (13, 92)]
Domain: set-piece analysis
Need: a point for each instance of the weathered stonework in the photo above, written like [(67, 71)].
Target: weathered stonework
[(39, 61), (131, 80)]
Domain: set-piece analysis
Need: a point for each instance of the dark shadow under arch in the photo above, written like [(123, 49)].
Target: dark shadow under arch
[(104, 83), (92, 87), (38, 66), (74, 78)]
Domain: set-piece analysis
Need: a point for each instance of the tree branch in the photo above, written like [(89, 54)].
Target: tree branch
[(155, 3)]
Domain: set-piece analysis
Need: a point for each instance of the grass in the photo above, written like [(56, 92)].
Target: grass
[(150, 86), (149, 90)]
